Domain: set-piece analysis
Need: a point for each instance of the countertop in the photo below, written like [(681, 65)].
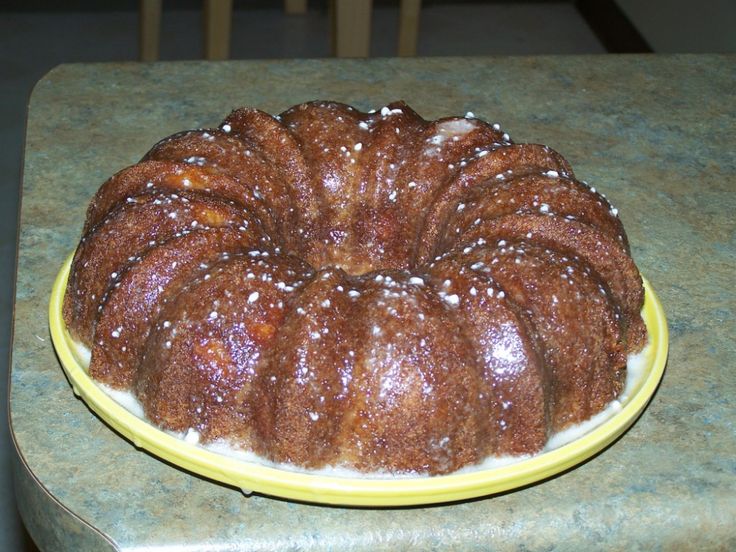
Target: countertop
[(656, 134)]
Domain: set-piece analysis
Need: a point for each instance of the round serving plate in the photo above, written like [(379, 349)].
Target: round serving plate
[(329, 489)]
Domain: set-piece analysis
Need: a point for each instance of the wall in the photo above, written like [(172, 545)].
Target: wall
[(676, 26)]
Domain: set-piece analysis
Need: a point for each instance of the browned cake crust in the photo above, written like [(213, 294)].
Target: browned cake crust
[(563, 298), (134, 302), (168, 176), (204, 351), (132, 228), (223, 153), (368, 290)]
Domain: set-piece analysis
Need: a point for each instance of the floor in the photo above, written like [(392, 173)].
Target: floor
[(33, 43)]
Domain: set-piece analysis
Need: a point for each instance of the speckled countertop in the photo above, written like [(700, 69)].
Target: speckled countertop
[(655, 133)]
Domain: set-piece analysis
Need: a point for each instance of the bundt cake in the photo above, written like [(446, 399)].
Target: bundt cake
[(328, 287)]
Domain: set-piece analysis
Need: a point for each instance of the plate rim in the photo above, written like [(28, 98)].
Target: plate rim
[(352, 491)]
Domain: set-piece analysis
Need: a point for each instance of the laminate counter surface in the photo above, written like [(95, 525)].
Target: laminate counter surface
[(654, 133)]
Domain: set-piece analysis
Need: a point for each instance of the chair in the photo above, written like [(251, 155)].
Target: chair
[(351, 20), (217, 23), (351, 27)]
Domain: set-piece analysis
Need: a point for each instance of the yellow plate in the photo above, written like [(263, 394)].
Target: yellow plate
[(352, 490)]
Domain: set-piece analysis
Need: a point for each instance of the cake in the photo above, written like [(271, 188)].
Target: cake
[(375, 291)]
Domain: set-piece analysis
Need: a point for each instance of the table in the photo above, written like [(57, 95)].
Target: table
[(655, 133)]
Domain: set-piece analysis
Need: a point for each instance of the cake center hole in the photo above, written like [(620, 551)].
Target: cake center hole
[(360, 251)]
